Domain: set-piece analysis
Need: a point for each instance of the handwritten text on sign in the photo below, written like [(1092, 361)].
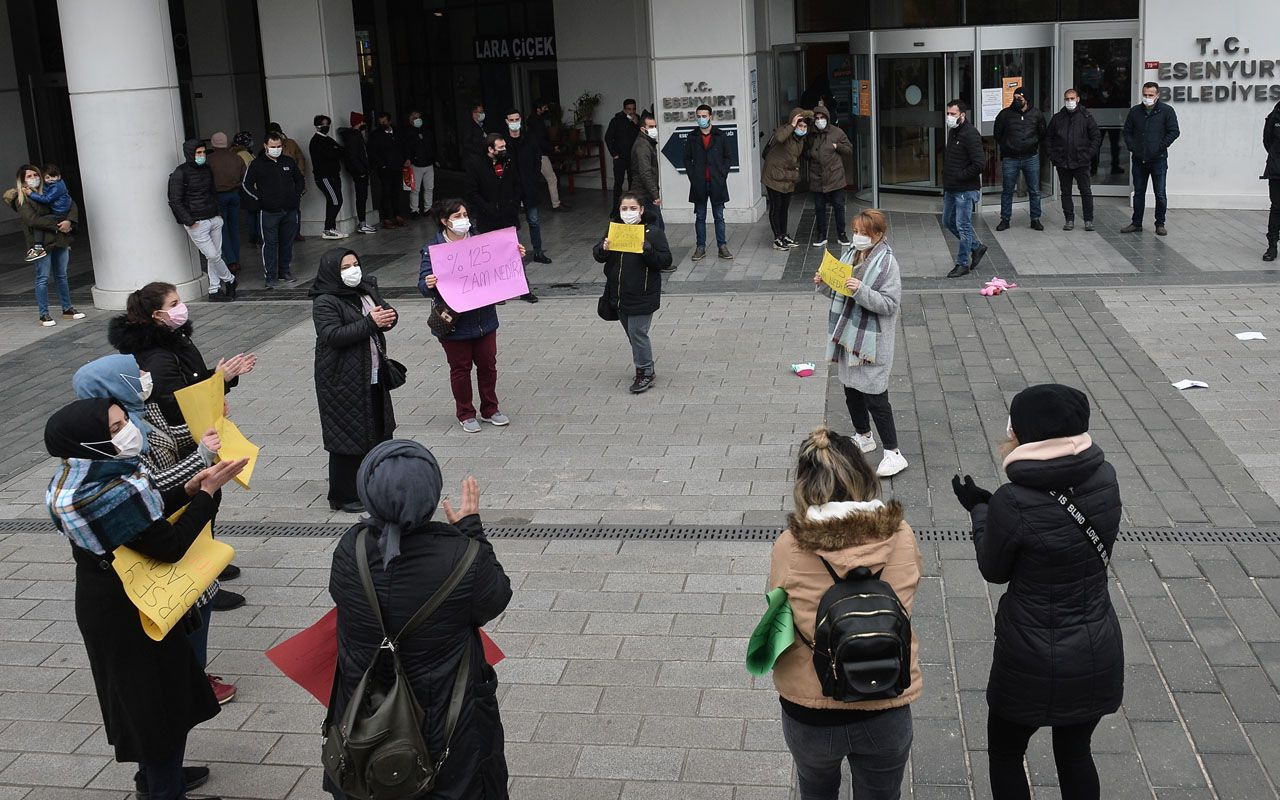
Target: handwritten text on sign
[(163, 592), (479, 270)]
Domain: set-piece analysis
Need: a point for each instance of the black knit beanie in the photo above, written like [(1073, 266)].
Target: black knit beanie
[(1048, 411)]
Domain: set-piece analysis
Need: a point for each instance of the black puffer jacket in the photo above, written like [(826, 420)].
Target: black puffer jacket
[(633, 281), (1073, 138), (344, 367), (191, 195), (1271, 144), (169, 355), (964, 160), (1059, 656), (476, 768), (1019, 132), (355, 156), (385, 150)]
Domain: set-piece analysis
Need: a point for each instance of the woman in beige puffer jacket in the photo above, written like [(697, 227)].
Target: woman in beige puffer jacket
[(782, 172)]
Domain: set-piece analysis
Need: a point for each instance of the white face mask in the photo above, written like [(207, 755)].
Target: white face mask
[(514, 126), (128, 442), (1071, 105), (1148, 101), (480, 117), (351, 276), (821, 123), (630, 217), (144, 384), (952, 121), (653, 132), (861, 242), (33, 183), (460, 226), (275, 152)]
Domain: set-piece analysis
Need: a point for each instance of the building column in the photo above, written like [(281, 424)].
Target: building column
[(310, 68), (124, 96), (13, 133)]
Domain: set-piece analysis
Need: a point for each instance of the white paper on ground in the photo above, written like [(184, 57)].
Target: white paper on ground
[(1186, 383), (1250, 335)]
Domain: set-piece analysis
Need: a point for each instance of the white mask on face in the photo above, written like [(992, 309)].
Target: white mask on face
[(821, 123), (275, 152), (480, 117), (861, 242), (630, 217), (1148, 101), (653, 132), (144, 384), (128, 442), (460, 226), (33, 183), (1071, 105), (351, 276), (514, 126), (952, 121)]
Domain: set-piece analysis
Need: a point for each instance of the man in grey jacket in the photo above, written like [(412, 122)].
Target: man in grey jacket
[(644, 168)]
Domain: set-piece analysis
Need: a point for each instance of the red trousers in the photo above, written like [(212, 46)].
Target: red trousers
[(462, 355)]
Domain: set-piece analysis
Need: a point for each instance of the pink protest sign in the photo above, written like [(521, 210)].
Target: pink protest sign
[(479, 270)]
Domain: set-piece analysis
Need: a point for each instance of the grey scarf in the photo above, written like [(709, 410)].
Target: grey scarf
[(399, 483)]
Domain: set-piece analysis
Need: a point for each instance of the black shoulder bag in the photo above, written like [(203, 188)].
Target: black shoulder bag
[(1078, 517), (376, 751), (392, 372)]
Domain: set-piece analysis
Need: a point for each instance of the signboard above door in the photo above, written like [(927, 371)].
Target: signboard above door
[(515, 48)]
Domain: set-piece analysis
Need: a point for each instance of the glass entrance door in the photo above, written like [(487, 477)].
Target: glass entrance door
[(909, 93), (1098, 60)]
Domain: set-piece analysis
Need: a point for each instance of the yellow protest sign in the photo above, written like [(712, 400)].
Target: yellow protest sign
[(625, 238), (164, 592), (202, 405), (834, 273)]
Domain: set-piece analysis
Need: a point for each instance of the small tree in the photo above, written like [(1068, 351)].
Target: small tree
[(584, 108)]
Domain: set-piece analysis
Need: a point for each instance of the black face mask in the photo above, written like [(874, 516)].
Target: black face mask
[(324, 129), (500, 156)]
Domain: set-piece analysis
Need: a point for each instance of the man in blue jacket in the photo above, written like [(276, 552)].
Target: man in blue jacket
[(1148, 131)]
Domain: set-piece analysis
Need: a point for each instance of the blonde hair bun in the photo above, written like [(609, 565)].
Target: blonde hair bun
[(821, 437)]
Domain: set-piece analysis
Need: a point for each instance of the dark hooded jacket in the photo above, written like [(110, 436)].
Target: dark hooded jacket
[(476, 767), (355, 155), (191, 193), (344, 360), (1059, 656), (1019, 132), (826, 163), (1073, 138), (633, 281), (783, 153), (1271, 144), (473, 324), (169, 355)]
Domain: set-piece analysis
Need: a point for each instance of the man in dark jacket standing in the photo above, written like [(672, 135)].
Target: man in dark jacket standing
[(276, 183), (491, 189), (526, 155), (706, 163), (355, 157), (228, 173), (1271, 146), (191, 198), (829, 146), (1019, 130), (326, 164), (1073, 140), (962, 165), (388, 160), (473, 135), (619, 137), (644, 169), (419, 145), (544, 119), (1148, 131)]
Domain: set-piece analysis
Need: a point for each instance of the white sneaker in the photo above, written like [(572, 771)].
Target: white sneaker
[(366, 228), (330, 234), (892, 463), (865, 443)]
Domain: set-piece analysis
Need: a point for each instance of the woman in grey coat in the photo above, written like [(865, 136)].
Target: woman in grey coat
[(861, 330)]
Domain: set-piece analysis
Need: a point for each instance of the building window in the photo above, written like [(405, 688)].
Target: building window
[(822, 16)]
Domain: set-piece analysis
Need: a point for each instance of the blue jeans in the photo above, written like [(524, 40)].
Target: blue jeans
[(535, 229), (278, 230), (55, 260), (700, 219), (957, 217), (1029, 167), (876, 748), (229, 208), (655, 211), (820, 202), (1158, 172)]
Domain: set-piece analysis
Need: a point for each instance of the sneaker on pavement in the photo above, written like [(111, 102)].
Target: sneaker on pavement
[(778, 244), (1088, 224), (790, 242), (225, 692), (47, 321), (864, 441), (976, 257), (699, 253), (230, 573), (230, 288), (330, 234), (1162, 230), (365, 227), (1004, 225), (35, 254), (959, 271), (724, 252), (1069, 225), (843, 240), (1131, 228), (219, 297), (891, 464), (225, 600), (71, 313), (642, 383), (540, 257), (1269, 254), (288, 278), (1037, 225), (529, 297), (819, 242), (192, 777), (471, 425), (498, 419)]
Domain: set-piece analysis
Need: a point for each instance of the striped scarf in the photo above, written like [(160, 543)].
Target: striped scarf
[(856, 343), (101, 504)]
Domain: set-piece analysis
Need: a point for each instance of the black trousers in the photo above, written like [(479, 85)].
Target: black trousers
[(344, 466), (1080, 176), (330, 187), (1273, 222), (1007, 744), (362, 195), (779, 205), (865, 407), (621, 172), (390, 187)]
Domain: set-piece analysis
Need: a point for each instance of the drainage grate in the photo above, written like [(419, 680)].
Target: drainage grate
[(694, 533)]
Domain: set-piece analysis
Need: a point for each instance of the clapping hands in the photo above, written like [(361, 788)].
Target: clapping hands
[(968, 493)]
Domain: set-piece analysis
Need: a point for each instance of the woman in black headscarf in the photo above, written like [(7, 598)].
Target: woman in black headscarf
[(151, 693), (355, 404), (410, 557)]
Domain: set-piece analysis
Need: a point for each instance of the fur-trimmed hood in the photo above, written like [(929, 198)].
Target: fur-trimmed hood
[(131, 337), (839, 526)]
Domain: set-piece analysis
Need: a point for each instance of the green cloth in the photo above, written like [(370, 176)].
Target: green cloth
[(775, 632)]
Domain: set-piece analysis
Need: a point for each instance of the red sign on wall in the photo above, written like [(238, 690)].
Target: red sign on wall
[(1151, 64)]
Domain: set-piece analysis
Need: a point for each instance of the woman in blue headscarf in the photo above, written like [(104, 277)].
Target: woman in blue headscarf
[(410, 557)]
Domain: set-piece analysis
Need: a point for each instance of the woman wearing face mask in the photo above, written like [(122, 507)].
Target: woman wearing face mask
[(474, 340), (633, 285), (36, 216), (151, 693), (861, 329), (351, 320), (782, 173)]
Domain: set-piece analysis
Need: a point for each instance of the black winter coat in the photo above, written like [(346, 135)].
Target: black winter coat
[(191, 194), (473, 138), (355, 156), (633, 281), (326, 156), (1073, 138), (492, 202), (964, 160), (1059, 656), (275, 184), (419, 145), (343, 369), (385, 151), (1271, 144), (151, 693), (474, 324), (1019, 133), (169, 355), (526, 154), (476, 768), (697, 159), (620, 136), (1148, 135)]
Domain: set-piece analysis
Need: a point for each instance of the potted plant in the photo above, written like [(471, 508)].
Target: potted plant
[(584, 110)]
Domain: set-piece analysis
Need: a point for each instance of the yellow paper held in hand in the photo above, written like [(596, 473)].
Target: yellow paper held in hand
[(625, 238), (834, 273), (164, 593), (201, 405)]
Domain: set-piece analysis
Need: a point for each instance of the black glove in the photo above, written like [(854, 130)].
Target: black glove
[(970, 495)]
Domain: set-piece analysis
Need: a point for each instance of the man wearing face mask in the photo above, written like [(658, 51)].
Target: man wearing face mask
[(473, 133), (645, 171), (355, 157), (419, 145), (1148, 131), (706, 163), (491, 191), (526, 157), (1019, 130), (1073, 140), (962, 165), (387, 157), (619, 137), (276, 184), (195, 207), (326, 160)]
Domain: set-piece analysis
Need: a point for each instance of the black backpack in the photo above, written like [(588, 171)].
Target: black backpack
[(862, 640)]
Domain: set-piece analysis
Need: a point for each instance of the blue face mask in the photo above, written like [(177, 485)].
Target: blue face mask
[(704, 123), (802, 132), (200, 161)]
